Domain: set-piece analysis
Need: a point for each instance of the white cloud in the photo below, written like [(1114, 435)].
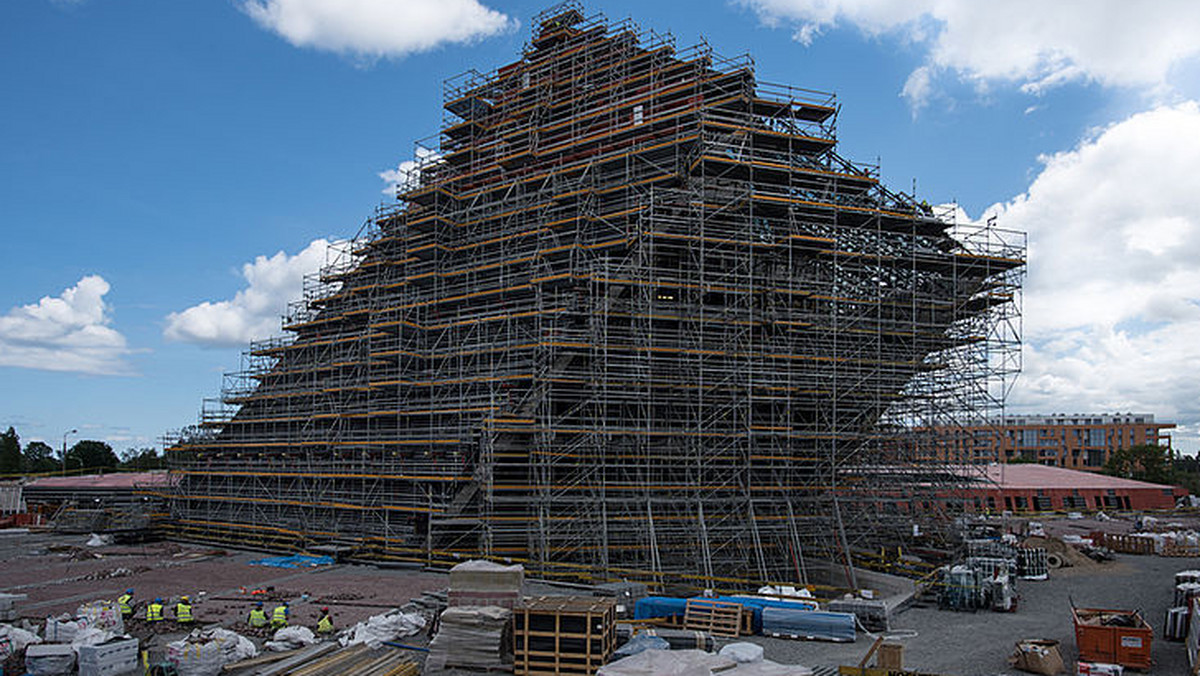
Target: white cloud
[(406, 176), (1033, 44), (68, 333), (1112, 300), (254, 312), (377, 28)]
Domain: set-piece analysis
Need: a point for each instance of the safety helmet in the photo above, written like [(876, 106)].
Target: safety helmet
[(158, 599), (258, 605), (129, 591), (184, 598), (324, 610)]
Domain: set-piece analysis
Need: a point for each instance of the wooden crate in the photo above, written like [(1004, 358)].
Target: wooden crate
[(719, 618), (569, 635), (891, 656)]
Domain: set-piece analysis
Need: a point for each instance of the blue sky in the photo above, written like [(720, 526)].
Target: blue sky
[(169, 171)]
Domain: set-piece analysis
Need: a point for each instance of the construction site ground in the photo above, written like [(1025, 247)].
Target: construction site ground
[(58, 573)]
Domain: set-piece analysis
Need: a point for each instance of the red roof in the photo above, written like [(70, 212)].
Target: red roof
[(117, 481), (1031, 476)]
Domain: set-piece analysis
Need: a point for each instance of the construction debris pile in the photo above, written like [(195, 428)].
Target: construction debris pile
[(93, 640), (985, 575), (204, 652)]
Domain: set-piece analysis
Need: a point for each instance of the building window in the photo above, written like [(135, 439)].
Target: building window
[(1095, 458), (1096, 437), (1029, 438)]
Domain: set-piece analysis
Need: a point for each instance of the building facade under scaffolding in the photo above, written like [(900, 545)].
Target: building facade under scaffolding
[(632, 316)]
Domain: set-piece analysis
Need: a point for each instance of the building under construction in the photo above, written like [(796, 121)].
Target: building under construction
[(631, 316)]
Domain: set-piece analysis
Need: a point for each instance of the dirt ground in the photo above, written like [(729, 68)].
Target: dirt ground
[(59, 573)]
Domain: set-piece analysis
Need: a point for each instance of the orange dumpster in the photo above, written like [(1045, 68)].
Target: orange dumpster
[(1113, 636)]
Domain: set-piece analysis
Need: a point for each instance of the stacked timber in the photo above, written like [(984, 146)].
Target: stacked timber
[(483, 583), (326, 659), (471, 637)]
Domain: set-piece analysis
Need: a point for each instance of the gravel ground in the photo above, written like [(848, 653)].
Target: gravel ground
[(978, 644)]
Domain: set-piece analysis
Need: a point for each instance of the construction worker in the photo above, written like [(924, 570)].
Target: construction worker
[(154, 611), (258, 617), (125, 603), (325, 624), (279, 616), (183, 610)]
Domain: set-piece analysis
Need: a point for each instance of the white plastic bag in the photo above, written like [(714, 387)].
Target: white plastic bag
[(742, 652), (17, 638), (380, 628), (290, 638)]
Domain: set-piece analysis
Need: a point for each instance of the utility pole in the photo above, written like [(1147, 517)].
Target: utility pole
[(64, 451)]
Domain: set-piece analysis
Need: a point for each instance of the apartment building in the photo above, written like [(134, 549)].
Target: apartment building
[(1075, 441)]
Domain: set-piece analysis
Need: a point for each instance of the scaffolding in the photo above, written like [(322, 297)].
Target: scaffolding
[(632, 316)]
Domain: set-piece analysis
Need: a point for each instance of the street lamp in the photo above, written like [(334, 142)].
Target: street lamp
[(64, 452)]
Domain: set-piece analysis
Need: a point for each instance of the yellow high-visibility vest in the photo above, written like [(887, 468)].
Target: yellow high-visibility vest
[(183, 612), (258, 618), (123, 603), (325, 625), (154, 612), (279, 616)]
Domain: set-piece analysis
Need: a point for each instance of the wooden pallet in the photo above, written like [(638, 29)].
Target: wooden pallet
[(1125, 544), (1173, 549), (719, 618)]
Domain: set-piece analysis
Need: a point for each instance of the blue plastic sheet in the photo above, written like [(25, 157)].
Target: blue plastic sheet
[(294, 561), (639, 643), (659, 606), (665, 606), (756, 605), (808, 624)]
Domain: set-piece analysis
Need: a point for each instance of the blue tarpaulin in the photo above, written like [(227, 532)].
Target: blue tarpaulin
[(664, 606), (294, 561), (659, 606)]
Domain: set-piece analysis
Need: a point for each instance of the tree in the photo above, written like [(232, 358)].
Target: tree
[(91, 454), (10, 452), (38, 457), (1023, 458), (1187, 473), (1144, 462), (141, 459)]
